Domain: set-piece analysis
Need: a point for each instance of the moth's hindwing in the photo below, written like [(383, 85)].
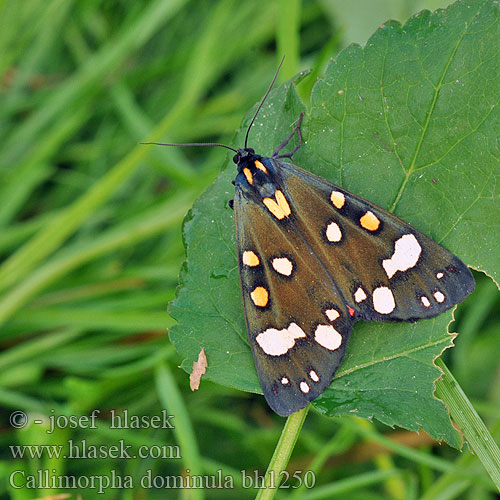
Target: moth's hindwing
[(313, 259)]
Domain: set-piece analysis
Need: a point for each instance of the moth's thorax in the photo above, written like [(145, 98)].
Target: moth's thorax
[(257, 175)]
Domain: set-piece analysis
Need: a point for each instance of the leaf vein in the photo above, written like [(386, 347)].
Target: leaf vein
[(431, 111), (341, 373)]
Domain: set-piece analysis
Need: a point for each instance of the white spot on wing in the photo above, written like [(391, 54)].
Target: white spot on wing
[(439, 275), (283, 265), (359, 295), (407, 251), (304, 387), (383, 300), (333, 232), (425, 301), (314, 376), (285, 381), (328, 337), (439, 296), (332, 314), (277, 342)]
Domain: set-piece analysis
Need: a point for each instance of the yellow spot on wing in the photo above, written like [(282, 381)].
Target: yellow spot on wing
[(280, 198), (259, 165), (250, 258), (274, 208), (260, 296), (370, 221), (248, 175), (279, 208), (338, 199)]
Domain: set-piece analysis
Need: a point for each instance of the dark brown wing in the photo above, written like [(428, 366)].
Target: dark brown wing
[(385, 268), (297, 320)]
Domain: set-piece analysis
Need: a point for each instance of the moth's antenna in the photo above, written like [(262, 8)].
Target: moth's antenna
[(193, 144), (248, 130), (263, 99)]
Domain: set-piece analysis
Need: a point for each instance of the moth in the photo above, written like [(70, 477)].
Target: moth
[(314, 259)]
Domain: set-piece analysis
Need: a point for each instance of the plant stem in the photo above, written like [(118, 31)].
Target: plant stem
[(469, 422), (282, 454)]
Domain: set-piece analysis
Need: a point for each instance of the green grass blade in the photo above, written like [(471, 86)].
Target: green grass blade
[(93, 72), (288, 38), (466, 417), (159, 218), (171, 398), (346, 486)]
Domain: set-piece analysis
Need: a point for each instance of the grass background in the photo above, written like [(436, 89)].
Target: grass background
[(91, 243)]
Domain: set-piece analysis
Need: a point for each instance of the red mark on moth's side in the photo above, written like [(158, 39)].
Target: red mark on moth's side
[(350, 309)]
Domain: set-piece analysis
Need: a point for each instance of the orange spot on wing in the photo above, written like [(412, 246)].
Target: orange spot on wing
[(338, 199), (248, 175), (250, 258), (274, 208), (260, 166), (370, 221), (280, 198), (260, 296), (279, 208), (352, 312)]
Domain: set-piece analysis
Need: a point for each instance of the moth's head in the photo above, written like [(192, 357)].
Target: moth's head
[(244, 156)]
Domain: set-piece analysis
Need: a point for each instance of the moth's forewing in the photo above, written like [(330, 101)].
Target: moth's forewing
[(378, 250)]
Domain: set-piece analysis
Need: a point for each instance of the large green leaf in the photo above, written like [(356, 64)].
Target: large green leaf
[(411, 123)]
